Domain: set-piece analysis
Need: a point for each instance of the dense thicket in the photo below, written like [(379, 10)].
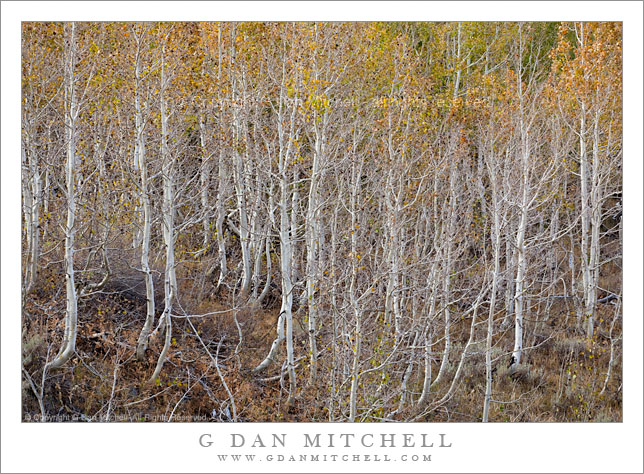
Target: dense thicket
[(322, 221)]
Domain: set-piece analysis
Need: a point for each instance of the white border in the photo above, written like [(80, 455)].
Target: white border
[(174, 448)]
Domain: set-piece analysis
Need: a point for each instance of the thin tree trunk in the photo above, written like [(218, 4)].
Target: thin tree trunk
[(519, 297), (427, 378), (204, 179), (357, 333), (27, 207), (139, 153), (68, 346), (496, 243), (45, 204), (432, 283), (312, 237), (269, 266), (448, 235), (219, 223), (519, 290), (334, 313), (510, 265), (170, 280), (268, 242), (585, 218), (239, 178), (221, 191), (35, 194), (286, 232), (595, 225)]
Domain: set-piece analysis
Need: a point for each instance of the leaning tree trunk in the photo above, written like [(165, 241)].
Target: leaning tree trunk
[(140, 159), (286, 264), (68, 346), (286, 233), (170, 283)]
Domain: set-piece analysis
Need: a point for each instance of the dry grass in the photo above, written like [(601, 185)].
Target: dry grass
[(560, 379)]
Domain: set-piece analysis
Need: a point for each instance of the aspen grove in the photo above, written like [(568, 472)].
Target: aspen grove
[(322, 221)]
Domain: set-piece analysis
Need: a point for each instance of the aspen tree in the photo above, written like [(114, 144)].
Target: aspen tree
[(139, 33), (68, 346), (168, 212), (285, 116), (239, 168), (427, 204)]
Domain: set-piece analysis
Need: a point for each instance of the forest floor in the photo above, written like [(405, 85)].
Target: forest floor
[(561, 379)]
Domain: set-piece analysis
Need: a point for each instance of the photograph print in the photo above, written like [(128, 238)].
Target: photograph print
[(321, 222)]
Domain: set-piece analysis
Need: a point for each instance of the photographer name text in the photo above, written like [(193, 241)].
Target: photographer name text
[(333, 440)]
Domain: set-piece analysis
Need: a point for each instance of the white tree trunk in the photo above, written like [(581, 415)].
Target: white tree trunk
[(239, 178), (27, 209), (357, 314), (140, 160), (519, 290), (221, 191), (68, 346), (219, 223), (432, 282), (35, 185), (244, 234), (595, 225), (204, 181), (286, 232), (447, 270), (590, 216), (168, 210), (312, 238), (586, 212), (496, 245), (510, 266)]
